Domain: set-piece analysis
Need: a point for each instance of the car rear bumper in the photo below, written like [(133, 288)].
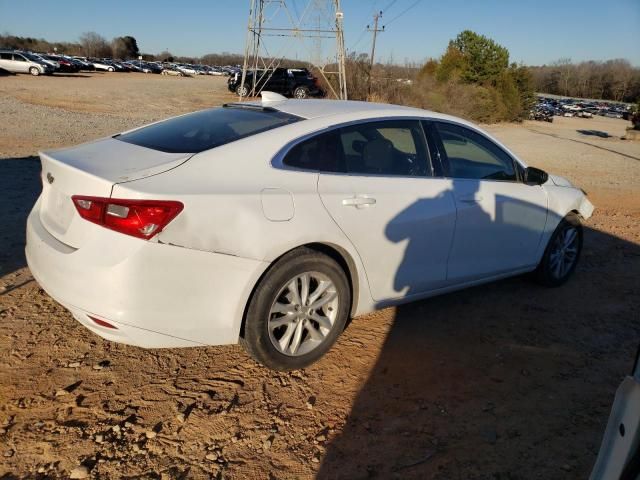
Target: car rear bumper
[(156, 295)]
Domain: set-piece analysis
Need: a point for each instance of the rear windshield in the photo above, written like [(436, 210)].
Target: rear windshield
[(200, 131)]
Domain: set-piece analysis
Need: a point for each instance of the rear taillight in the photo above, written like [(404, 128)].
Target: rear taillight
[(138, 218)]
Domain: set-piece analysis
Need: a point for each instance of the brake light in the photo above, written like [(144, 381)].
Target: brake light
[(138, 218)]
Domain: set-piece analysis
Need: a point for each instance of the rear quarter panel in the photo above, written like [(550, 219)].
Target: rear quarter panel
[(225, 212)]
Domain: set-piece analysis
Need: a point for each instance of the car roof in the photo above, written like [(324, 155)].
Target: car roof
[(349, 109)]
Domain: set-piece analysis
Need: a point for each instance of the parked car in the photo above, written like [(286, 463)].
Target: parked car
[(541, 114), (619, 455), (173, 72), (55, 66), (290, 82), (22, 62), (84, 64), (188, 70), (66, 66), (103, 65), (273, 222)]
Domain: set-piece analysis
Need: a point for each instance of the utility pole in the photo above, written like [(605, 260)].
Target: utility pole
[(375, 31)]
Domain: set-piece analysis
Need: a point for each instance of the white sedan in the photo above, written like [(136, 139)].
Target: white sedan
[(107, 67), (274, 222)]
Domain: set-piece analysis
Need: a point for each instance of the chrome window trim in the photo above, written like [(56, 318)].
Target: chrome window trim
[(278, 159)]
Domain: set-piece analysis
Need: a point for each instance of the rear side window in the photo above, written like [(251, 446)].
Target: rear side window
[(322, 152), (207, 129), (391, 148)]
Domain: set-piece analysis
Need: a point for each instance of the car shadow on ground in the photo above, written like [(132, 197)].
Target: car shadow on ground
[(19, 188), (71, 75), (473, 383), (595, 133)]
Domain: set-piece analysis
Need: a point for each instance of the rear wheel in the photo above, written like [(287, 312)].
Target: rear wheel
[(301, 92), (562, 253), (35, 71), (297, 311)]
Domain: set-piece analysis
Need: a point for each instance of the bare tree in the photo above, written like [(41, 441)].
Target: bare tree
[(565, 67), (94, 45)]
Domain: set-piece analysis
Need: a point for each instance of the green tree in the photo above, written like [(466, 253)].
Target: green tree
[(125, 47), (635, 118), (524, 83), (485, 59), (453, 64)]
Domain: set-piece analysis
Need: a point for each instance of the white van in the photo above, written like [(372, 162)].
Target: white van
[(21, 62)]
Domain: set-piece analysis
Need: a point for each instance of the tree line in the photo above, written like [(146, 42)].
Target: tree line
[(610, 80), (90, 44)]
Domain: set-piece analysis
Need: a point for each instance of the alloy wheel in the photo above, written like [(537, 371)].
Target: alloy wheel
[(564, 253), (303, 313)]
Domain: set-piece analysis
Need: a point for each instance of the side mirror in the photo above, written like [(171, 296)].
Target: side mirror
[(535, 176)]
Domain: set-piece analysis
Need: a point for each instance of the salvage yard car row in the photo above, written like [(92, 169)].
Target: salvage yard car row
[(16, 61), (546, 108)]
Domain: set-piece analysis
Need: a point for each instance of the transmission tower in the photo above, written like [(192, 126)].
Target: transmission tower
[(279, 29)]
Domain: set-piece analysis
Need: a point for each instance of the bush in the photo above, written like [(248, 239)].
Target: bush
[(635, 119), (472, 79)]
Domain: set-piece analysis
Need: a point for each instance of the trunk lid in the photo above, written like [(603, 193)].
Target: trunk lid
[(92, 169)]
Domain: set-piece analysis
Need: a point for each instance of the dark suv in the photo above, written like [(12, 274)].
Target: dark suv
[(290, 82)]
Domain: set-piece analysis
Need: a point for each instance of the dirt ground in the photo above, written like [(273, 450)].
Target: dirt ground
[(504, 381)]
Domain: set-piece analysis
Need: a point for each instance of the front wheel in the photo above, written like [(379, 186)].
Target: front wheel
[(297, 311), (242, 91), (35, 71), (562, 253), (110, 69)]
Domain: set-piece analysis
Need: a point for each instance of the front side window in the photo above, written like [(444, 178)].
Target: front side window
[(473, 156), (207, 129), (19, 58)]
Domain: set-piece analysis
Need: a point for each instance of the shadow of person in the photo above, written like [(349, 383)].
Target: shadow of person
[(486, 382), (19, 189)]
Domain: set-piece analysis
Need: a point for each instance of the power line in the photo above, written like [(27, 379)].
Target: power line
[(389, 6), (357, 42), (403, 12)]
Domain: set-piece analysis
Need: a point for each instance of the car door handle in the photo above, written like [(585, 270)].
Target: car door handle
[(358, 202), (473, 199)]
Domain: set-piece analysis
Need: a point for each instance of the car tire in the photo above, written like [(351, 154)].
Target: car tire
[(562, 253), (242, 91), (35, 71), (110, 69), (301, 93), (282, 329)]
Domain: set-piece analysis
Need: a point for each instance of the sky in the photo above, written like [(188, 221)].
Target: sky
[(535, 32)]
